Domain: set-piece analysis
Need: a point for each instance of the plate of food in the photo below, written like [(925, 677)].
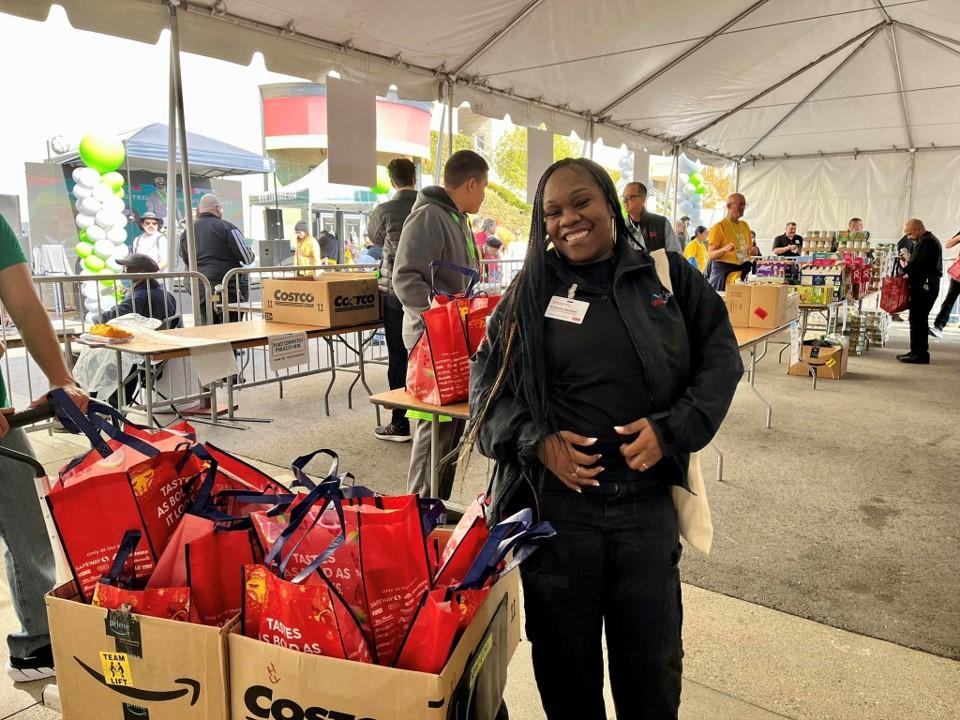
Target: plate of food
[(103, 334)]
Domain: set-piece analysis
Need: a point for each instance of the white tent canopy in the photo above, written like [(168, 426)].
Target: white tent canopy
[(754, 78), (738, 79)]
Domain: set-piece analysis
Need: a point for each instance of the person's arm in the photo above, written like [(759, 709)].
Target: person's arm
[(377, 226), (421, 242), (183, 249), (672, 242), (716, 250), (955, 240), (21, 301), (715, 366), (779, 248)]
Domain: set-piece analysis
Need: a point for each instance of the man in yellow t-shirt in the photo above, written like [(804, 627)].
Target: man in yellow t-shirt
[(729, 245)]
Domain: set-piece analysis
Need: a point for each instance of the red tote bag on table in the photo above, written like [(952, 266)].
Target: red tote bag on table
[(130, 481), (438, 370), (895, 294)]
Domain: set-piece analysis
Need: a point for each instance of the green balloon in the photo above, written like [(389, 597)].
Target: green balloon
[(93, 263), (103, 153), (700, 190), (383, 181), (119, 193), (84, 238), (114, 180), (84, 249), (696, 179)]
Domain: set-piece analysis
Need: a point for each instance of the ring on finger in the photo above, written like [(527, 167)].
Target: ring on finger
[(643, 466), (576, 471)]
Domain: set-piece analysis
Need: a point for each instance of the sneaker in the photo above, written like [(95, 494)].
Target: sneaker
[(897, 318), (937, 332), (36, 667), (393, 433)]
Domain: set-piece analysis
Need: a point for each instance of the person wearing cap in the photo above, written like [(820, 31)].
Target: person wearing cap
[(221, 247), (157, 200), (152, 242), (147, 297), (308, 250)]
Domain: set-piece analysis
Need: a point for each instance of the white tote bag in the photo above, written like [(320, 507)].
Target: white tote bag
[(693, 510)]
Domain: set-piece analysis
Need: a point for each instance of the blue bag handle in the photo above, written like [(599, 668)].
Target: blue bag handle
[(94, 422), (516, 531), (325, 492), (131, 538), (302, 479), (469, 272)]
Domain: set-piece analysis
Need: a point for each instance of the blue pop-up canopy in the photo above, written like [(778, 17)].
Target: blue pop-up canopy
[(147, 150)]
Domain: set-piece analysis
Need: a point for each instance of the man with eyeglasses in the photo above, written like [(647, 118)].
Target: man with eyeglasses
[(649, 230), (157, 200), (152, 242), (729, 246)]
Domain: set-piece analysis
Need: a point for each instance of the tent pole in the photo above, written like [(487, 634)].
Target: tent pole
[(675, 177), (908, 201), (736, 177), (903, 97), (173, 241), (443, 119), (184, 161), (449, 119)]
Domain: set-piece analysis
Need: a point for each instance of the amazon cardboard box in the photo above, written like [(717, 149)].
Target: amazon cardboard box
[(269, 681), (829, 362), (114, 664), (330, 300), (772, 305)]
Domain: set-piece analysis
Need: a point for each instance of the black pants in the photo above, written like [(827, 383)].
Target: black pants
[(234, 295), (921, 303), (396, 351), (613, 564), (953, 292)]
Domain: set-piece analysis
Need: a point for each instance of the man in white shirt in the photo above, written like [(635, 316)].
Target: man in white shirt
[(152, 242)]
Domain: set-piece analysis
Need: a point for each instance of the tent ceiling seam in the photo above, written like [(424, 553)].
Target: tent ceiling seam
[(903, 98), (883, 10), (525, 12), (925, 35), (680, 58), (813, 92), (795, 74), (851, 153)]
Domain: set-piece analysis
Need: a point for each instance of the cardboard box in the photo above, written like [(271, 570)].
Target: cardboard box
[(334, 299), (772, 305), (737, 298), (111, 664), (269, 681), (829, 362)]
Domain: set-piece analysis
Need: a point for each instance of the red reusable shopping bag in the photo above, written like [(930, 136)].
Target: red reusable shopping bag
[(138, 479), (463, 546), (895, 295), (119, 587)]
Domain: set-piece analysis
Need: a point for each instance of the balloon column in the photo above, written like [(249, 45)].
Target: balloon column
[(103, 226), (690, 190)]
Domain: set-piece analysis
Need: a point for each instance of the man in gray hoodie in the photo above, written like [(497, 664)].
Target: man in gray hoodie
[(437, 229)]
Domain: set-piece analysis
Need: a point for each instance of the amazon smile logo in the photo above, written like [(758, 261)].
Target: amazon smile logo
[(192, 688)]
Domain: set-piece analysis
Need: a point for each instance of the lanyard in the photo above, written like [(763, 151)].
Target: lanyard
[(468, 236)]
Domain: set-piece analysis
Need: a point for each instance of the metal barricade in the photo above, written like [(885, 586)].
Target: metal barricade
[(240, 298), (74, 303), (499, 273)]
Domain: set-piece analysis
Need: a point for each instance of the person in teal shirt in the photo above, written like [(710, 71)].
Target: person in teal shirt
[(28, 556)]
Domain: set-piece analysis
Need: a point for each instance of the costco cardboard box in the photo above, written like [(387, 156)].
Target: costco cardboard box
[(828, 362), (737, 298), (268, 681), (332, 300), (772, 305), (113, 664)]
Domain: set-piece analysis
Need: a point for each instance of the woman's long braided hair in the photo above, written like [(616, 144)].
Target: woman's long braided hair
[(522, 355)]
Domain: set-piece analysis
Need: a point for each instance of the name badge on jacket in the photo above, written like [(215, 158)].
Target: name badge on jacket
[(567, 309)]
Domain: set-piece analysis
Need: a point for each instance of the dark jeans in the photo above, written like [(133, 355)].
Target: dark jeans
[(921, 303), (614, 564), (396, 351), (230, 296), (953, 292)]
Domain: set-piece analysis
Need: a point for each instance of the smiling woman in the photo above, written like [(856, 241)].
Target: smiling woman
[(595, 385)]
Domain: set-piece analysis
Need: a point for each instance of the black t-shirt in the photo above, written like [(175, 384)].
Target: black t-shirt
[(783, 241), (595, 377)]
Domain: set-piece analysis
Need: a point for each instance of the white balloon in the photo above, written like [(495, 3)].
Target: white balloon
[(90, 205), (106, 219), (86, 176), (686, 206), (108, 301), (114, 265), (103, 248), (683, 178), (102, 191), (90, 319), (113, 204), (96, 233), (689, 189), (81, 191), (117, 235), (91, 304), (89, 289), (85, 221)]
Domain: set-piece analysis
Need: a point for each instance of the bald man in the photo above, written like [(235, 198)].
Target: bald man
[(923, 271), (649, 230), (728, 247), (220, 248)]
